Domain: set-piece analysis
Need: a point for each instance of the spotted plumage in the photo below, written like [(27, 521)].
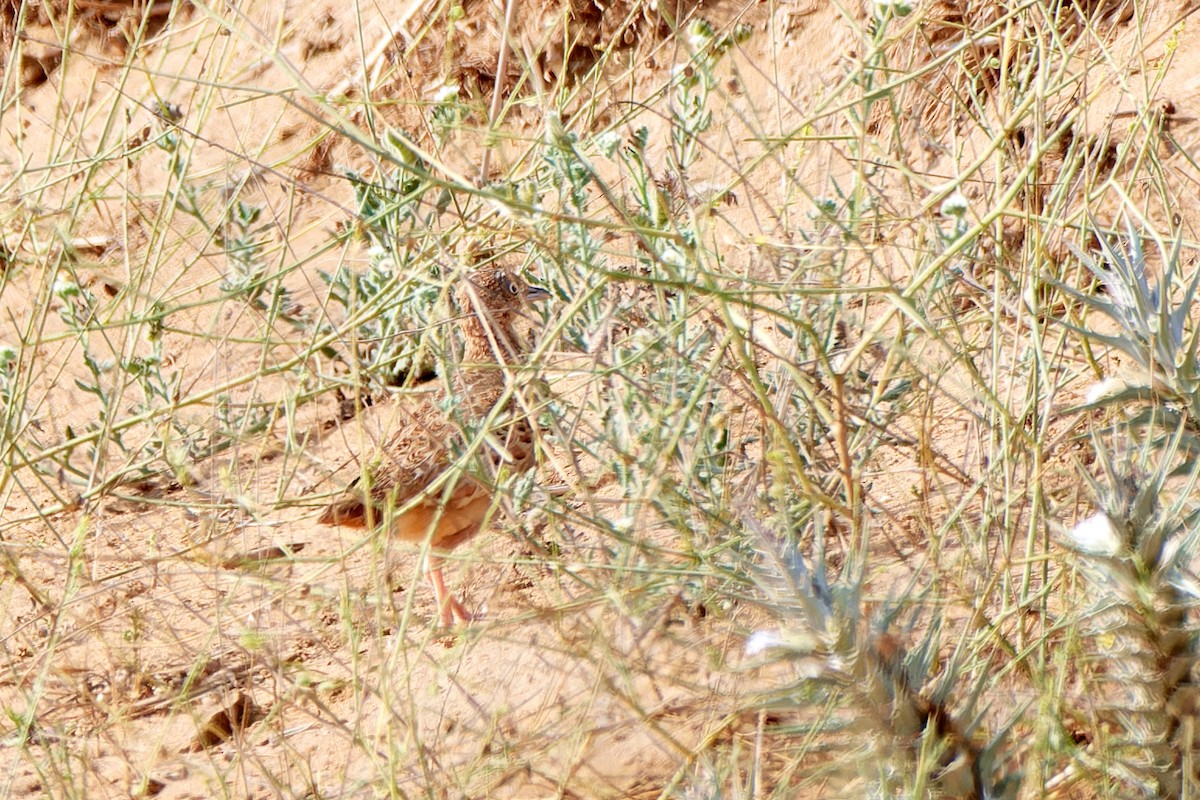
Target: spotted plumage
[(414, 473)]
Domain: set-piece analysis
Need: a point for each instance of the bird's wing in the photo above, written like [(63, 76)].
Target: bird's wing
[(425, 443)]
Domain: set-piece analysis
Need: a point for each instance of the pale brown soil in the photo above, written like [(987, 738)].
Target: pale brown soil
[(130, 622)]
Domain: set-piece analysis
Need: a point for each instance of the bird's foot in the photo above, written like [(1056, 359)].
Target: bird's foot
[(452, 611)]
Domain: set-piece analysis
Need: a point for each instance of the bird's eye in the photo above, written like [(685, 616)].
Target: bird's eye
[(513, 288)]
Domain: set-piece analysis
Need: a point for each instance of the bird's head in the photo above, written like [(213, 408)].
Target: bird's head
[(490, 299), (497, 295)]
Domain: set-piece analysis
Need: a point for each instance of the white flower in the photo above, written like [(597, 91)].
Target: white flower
[(623, 524), (794, 641), (955, 205), (608, 142), (447, 93), (1105, 388), (1096, 536), (761, 641), (673, 257), (65, 288), (381, 259)]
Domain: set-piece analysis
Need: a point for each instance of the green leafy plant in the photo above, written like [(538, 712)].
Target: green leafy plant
[(394, 341), (893, 705), (1152, 317), (1141, 661)]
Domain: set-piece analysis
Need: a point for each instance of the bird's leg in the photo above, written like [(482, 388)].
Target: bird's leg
[(448, 605)]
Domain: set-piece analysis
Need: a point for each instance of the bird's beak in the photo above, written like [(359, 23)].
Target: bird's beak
[(536, 294)]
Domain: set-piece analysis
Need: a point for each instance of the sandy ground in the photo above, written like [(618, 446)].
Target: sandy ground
[(155, 657)]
